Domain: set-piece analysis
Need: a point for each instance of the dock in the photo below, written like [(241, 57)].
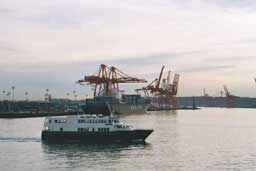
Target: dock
[(13, 115)]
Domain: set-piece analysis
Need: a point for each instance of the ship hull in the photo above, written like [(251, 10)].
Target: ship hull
[(95, 137), (129, 108), (102, 108)]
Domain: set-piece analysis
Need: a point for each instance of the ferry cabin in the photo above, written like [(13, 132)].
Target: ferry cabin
[(85, 123)]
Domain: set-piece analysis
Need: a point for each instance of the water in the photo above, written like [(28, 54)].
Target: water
[(207, 139)]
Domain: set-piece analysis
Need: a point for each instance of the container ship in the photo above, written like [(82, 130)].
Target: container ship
[(127, 104), (105, 82)]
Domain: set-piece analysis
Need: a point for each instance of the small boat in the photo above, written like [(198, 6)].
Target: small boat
[(91, 128)]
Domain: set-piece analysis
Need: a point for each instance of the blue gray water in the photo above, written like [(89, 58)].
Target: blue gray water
[(207, 139)]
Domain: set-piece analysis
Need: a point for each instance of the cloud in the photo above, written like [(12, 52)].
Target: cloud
[(138, 60), (229, 59), (4, 47), (207, 69), (63, 39), (242, 4), (4, 10)]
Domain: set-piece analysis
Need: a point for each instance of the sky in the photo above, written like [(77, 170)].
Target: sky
[(53, 43)]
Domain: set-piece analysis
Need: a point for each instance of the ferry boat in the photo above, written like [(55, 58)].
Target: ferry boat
[(91, 128)]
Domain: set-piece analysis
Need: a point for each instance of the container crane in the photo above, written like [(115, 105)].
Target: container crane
[(106, 79), (162, 90)]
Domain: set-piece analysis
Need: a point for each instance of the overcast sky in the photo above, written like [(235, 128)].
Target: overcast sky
[(53, 43)]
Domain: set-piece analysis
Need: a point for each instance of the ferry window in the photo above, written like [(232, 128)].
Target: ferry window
[(92, 129), (107, 130), (50, 121), (109, 121), (61, 129), (56, 121)]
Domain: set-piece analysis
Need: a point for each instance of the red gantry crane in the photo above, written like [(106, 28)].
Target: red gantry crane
[(105, 79), (163, 91)]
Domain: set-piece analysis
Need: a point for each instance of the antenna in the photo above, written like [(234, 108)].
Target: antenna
[(109, 108)]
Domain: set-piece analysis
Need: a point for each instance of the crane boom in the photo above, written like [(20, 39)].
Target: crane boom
[(160, 77), (105, 79)]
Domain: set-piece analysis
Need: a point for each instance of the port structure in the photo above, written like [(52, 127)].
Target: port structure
[(205, 94), (230, 98), (161, 92), (227, 93), (106, 79)]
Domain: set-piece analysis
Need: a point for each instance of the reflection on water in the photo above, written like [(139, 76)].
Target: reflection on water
[(80, 150), (77, 156), (20, 139)]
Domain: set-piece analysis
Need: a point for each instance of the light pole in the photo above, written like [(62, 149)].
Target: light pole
[(47, 98), (13, 88), (47, 95), (26, 96), (8, 95), (3, 94), (74, 92), (9, 99)]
